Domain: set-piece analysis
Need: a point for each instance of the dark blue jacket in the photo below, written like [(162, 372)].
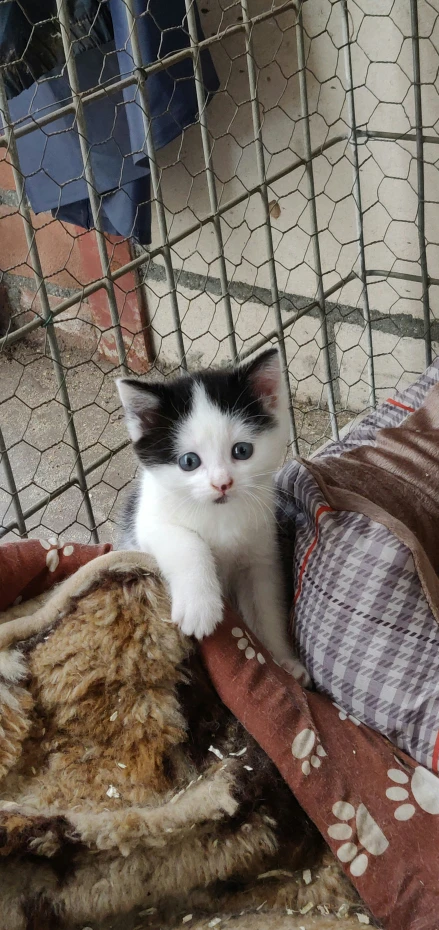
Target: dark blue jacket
[(30, 37), (50, 158)]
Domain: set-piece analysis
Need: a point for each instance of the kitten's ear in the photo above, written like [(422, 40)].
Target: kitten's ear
[(265, 377), (140, 403)]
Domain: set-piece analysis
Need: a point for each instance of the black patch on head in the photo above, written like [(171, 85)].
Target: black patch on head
[(229, 389), (232, 392), (157, 445)]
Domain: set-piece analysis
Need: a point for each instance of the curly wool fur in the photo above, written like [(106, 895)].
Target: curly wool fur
[(15, 706), (111, 797)]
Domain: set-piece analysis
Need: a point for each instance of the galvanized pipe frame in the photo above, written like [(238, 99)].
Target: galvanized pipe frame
[(101, 283), (356, 191), (107, 456), (192, 51), (155, 176), (210, 175), (92, 192), (263, 192), (24, 211), (329, 373), (73, 482), (89, 96), (420, 179), (76, 106), (20, 520), (147, 256)]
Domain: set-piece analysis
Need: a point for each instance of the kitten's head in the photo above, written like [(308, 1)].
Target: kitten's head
[(213, 436)]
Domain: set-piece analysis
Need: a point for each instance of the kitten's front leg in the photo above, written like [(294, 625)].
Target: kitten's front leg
[(270, 617), (189, 568)]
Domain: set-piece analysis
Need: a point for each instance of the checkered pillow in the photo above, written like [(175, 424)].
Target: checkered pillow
[(362, 623)]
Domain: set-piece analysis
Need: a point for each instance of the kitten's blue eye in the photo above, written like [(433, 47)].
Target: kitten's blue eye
[(242, 450), (189, 461)]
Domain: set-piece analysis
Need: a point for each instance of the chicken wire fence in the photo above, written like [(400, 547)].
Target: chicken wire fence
[(299, 208)]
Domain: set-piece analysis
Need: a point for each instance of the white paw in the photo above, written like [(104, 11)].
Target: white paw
[(295, 668), (195, 611)]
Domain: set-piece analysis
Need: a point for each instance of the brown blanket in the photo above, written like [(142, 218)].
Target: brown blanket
[(396, 483), (124, 780), (74, 850)]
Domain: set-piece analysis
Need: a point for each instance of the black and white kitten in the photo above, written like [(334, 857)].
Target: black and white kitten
[(208, 445)]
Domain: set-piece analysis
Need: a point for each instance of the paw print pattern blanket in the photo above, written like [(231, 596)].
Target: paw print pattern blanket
[(365, 518)]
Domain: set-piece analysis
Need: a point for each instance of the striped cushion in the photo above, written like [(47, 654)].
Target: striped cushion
[(363, 626)]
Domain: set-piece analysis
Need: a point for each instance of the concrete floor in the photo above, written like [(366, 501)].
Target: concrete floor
[(41, 455), (42, 459)]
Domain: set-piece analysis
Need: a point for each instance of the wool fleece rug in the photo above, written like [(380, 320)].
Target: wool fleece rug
[(128, 789), (197, 787)]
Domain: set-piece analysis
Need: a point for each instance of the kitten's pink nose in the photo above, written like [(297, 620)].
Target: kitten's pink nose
[(222, 488)]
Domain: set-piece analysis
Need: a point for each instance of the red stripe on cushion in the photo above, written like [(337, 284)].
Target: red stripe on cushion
[(323, 509), (397, 403)]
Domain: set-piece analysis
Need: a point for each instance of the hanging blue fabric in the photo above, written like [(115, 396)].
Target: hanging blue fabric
[(50, 158)]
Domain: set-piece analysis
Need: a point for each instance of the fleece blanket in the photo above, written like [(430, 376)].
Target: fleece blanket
[(124, 780)]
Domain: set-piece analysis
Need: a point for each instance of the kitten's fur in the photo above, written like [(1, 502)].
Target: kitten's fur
[(208, 538)]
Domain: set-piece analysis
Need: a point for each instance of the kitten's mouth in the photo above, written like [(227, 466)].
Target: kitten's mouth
[(221, 500)]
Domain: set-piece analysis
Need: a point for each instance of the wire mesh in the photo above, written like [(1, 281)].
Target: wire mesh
[(298, 208)]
